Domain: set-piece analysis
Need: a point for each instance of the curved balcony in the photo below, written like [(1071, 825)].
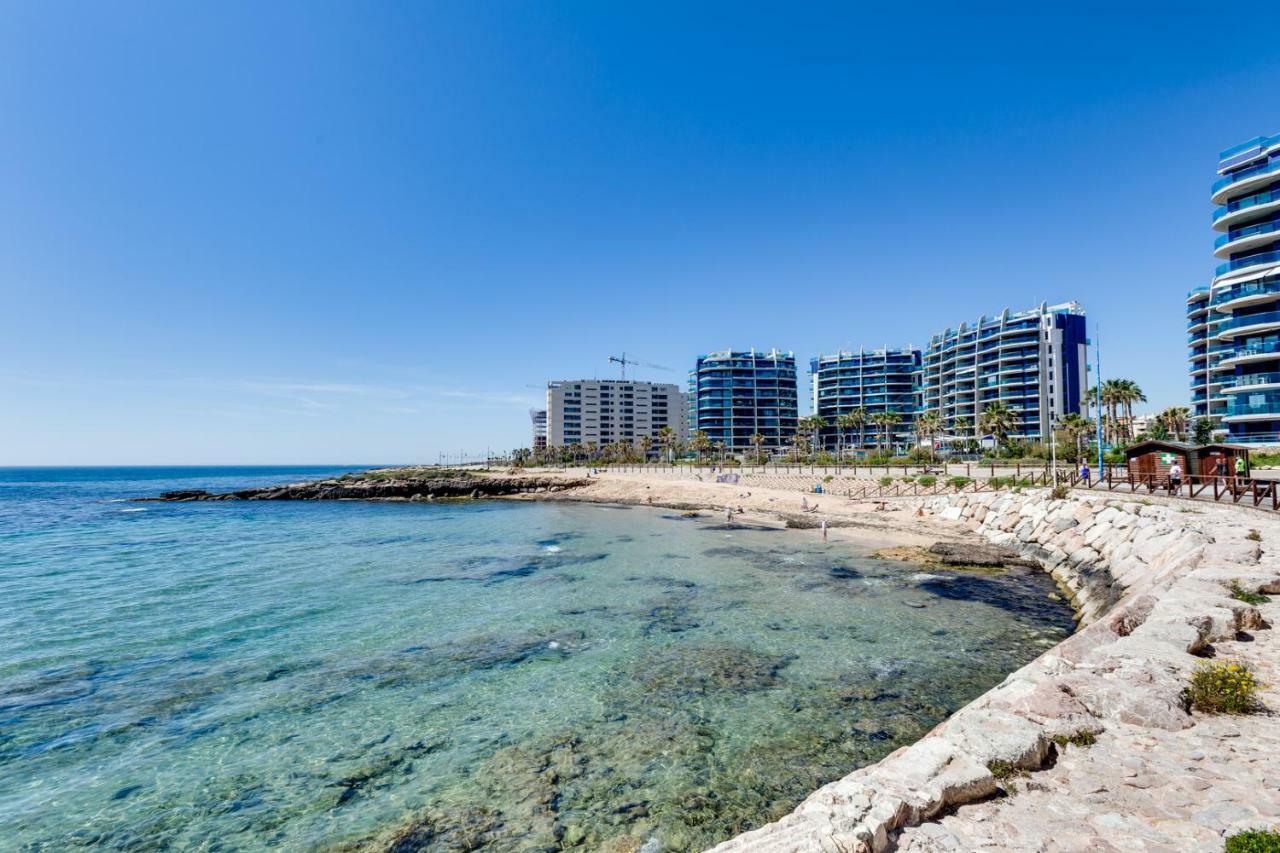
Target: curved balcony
[(1199, 294), (1268, 351), (1241, 209), (1244, 180), (1241, 239), (1247, 324), (1259, 260), (1253, 407), (1252, 382), (1228, 299)]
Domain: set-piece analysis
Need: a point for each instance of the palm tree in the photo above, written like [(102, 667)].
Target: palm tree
[(1076, 427), (1131, 393), (667, 438), (844, 423), (700, 443), (1176, 419), (886, 420), (927, 426), (812, 427), (858, 418), (757, 441), (646, 444), (999, 420), (591, 449)]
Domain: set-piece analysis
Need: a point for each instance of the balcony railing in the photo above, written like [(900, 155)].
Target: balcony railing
[(1239, 291), (1254, 404), (1236, 233), (1246, 202), (1244, 174), (1260, 259), (1246, 320), (1249, 379)]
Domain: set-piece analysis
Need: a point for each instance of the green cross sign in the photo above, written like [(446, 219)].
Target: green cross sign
[(1166, 458)]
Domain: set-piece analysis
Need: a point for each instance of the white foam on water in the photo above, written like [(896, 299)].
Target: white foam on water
[(553, 549), (133, 509)]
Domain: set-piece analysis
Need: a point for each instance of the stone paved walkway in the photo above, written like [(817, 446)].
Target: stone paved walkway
[(1136, 789)]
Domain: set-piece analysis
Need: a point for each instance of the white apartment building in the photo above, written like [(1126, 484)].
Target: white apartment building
[(602, 411)]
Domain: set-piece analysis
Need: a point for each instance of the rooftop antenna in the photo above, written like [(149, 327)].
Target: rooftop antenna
[(623, 361)]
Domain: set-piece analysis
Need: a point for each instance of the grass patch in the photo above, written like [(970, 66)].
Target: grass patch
[(1006, 774), (886, 481), (1254, 536), (1060, 493), (1254, 841), (1224, 687), (1081, 738), (926, 480), (1239, 593), (958, 483)]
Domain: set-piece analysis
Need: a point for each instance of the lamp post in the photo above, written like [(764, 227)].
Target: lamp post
[(1097, 389)]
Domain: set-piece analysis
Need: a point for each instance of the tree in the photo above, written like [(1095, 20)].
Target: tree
[(1159, 430), (811, 428), (700, 443), (1077, 430), (1175, 420), (886, 421), (646, 444), (844, 423), (1129, 393), (999, 420), (757, 441), (667, 438), (1204, 431), (928, 425), (961, 426)]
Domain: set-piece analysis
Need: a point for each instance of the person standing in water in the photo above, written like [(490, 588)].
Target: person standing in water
[(824, 530)]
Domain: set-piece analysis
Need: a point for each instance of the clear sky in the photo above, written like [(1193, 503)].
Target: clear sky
[(368, 232)]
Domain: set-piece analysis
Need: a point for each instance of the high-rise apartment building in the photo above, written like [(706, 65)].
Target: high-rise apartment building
[(604, 411), (1234, 325), (539, 419), (872, 382), (737, 394), (1033, 361)]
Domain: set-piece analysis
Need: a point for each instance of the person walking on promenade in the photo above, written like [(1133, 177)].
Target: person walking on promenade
[(1175, 478), (1240, 469), (1084, 475)]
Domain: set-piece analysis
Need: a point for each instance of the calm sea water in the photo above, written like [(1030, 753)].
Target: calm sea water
[(489, 675)]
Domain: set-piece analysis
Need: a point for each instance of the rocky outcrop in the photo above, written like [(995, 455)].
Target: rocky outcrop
[(1152, 584), (384, 489)]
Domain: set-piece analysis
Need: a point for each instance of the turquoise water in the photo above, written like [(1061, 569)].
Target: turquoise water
[(488, 675)]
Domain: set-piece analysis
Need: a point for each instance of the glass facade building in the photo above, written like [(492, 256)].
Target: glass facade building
[(1035, 362), (1234, 325), (736, 394), (875, 381)]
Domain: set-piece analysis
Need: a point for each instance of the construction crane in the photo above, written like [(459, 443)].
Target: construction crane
[(624, 361)]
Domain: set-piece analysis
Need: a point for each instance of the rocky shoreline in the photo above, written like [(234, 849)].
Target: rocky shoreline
[(383, 488)]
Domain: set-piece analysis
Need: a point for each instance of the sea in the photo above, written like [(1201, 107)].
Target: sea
[(479, 675)]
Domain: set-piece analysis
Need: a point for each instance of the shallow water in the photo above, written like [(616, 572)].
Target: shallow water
[(506, 676)]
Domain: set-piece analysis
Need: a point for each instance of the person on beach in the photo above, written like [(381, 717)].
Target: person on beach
[(728, 515), (1175, 478), (824, 530), (1240, 468), (804, 504), (1084, 474)]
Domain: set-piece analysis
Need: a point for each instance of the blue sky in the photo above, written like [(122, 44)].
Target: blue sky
[(321, 232)]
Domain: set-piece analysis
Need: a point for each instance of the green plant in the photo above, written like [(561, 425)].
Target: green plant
[(908, 479), (1084, 737), (926, 480), (1254, 841), (1224, 687), (1239, 593), (1005, 774), (828, 478), (886, 481), (958, 483), (1060, 493), (1254, 536)]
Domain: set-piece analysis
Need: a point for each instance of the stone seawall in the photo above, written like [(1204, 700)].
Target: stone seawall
[(1152, 585)]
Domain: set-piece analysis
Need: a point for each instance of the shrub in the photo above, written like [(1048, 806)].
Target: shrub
[(908, 479), (1254, 841), (958, 483), (1060, 493), (1223, 687), (828, 478), (1239, 593), (999, 482), (926, 480), (886, 481), (1254, 536), (1084, 737)]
